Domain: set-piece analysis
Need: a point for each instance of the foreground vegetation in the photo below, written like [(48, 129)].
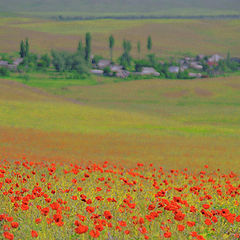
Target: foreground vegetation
[(46, 200), (48, 188)]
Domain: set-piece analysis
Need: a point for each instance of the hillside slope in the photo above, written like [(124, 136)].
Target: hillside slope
[(123, 6), (158, 123)]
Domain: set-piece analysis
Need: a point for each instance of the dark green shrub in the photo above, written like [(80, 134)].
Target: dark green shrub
[(107, 71), (4, 72)]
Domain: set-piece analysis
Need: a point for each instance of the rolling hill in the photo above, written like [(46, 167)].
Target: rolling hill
[(162, 7), (199, 118)]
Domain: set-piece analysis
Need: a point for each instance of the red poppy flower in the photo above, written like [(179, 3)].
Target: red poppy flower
[(8, 235), (34, 234), (181, 228), (81, 229), (191, 224), (108, 215), (167, 234), (90, 209), (208, 222), (45, 211), (94, 233), (38, 220), (14, 224)]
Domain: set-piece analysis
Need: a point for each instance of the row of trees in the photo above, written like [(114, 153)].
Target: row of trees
[(80, 61), (61, 60)]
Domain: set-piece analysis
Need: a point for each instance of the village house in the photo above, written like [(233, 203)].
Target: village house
[(98, 72), (3, 64), (174, 69), (215, 58), (122, 73), (149, 71), (196, 65), (195, 75), (116, 68), (12, 66), (103, 63), (200, 57)]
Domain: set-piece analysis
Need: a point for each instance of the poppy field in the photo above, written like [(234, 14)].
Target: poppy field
[(70, 201)]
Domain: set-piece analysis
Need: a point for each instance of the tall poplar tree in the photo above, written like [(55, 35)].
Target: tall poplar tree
[(22, 49), (88, 46), (139, 49), (26, 47), (80, 48), (149, 43), (111, 45)]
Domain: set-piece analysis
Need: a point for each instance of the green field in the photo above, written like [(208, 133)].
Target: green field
[(172, 37), (170, 122)]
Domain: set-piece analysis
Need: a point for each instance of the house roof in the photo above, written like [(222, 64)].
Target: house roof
[(215, 58), (115, 68), (103, 63), (97, 71), (173, 69), (149, 71), (3, 63), (17, 61)]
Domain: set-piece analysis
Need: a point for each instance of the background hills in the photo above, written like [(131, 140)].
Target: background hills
[(157, 7)]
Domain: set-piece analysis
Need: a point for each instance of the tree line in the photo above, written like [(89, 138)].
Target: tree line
[(78, 61), (81, 60)]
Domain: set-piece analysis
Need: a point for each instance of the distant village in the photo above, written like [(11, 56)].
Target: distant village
[(84, 62), (194, 65)]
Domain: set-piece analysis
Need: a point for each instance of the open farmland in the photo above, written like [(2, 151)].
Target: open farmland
[(86, 164), (200, 118), (86, 156), (171, 37)]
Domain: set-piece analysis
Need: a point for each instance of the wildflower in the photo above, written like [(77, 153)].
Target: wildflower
[(8, 235), (108, 215), (90, 209), (206, 206), (45, 211), (14, 224), (34, 234), (38, 220), (179, 216), (208, 222), (191, 224), (181, 228), (94, 233), (81, 229), (9, 219), (167, 234)]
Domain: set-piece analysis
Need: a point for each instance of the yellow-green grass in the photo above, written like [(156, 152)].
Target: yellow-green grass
[(149, 121), (196, 103), (170, 37)]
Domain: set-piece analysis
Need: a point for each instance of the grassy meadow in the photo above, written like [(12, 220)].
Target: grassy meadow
[(125, 121), (171, 37), (111, 158)]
